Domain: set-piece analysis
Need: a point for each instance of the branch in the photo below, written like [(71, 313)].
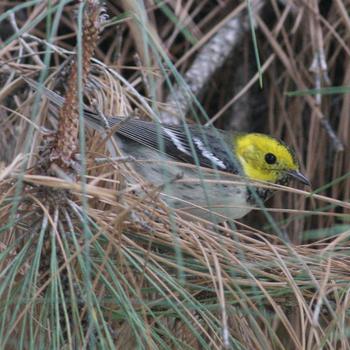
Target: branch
[(66, 139), (210, 58)]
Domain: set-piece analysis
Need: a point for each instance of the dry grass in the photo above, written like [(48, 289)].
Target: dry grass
[(102, 262)]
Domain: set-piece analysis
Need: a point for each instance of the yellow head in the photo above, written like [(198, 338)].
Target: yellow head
[(264, 158)]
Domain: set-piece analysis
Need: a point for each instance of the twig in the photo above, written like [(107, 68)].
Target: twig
[(243, 91), (211, 57), (319, 68), (295, 75)]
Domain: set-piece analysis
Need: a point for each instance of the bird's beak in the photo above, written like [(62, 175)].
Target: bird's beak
[(299, 176)]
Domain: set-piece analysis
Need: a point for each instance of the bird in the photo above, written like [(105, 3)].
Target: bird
[(215, 166), (203, 172)]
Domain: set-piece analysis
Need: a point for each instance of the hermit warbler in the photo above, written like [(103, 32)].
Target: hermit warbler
[(207, 160)]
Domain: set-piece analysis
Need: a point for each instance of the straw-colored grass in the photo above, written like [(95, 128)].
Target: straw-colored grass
[(99, 261)]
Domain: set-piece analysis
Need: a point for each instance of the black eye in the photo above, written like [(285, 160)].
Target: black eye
[(270, 158)]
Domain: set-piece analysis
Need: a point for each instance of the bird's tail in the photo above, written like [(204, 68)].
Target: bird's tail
[(94, 120)]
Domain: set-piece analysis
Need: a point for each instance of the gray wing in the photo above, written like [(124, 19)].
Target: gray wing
[(199, 145)]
